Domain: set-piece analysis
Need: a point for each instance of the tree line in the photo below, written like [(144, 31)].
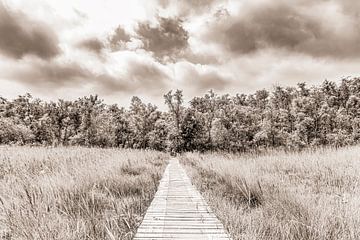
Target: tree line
[(286, 117)]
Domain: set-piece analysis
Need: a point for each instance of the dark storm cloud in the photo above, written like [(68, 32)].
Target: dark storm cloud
[(92, 44), (278, 26), (21, 36), (118, 37), (283, 25), (168, 39)]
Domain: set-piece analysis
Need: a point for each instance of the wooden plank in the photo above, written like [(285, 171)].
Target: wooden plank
[(178, 211)]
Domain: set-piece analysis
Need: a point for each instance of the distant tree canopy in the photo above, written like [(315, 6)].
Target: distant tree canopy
[(292, 117)]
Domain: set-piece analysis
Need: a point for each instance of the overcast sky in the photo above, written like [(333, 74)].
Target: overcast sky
[(117, 49)]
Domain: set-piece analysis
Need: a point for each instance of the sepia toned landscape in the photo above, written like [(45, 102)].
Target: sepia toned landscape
[(179, 119)]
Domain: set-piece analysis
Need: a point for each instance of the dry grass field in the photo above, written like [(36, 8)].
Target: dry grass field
[(75, 193), (90, 193), (279, 195)]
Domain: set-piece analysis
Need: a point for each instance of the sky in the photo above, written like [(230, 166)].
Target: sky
[(120, 48)]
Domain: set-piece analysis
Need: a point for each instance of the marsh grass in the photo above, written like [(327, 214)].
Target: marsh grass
[(75, 193), (309, 195)]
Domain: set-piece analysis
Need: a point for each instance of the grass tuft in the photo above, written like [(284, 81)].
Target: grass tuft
[(310, 195), (75, 193)]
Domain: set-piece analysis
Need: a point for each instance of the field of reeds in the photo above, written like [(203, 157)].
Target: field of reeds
[(75, 193), (309, 195)]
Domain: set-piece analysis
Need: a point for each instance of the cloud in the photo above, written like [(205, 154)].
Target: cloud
[(294, 26), (166, 40), (118, 38), (349, 7), (124, 72), (22, 36), (92, 44), (199, 57), (199, 79), (140, 77), (209, 80), (48, 74), (189, 7), (80, 14), (227, 45)]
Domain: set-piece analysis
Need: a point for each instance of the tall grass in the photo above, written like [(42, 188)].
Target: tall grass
[(75, 193), (310, 195)]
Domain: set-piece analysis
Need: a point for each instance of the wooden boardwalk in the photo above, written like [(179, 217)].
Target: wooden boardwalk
[(178, 211)]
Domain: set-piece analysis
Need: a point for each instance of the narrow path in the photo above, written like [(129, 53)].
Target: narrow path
[(178, 211)]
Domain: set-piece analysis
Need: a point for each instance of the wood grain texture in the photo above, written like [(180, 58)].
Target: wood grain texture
[(178, 211)]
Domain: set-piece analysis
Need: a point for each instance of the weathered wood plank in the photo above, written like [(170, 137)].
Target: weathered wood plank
[(178, 211)]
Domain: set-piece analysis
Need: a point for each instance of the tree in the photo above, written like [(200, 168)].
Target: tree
[(328, 114), (159, 135), (88, 108), (174, 102), (207, 107), (191, 132), (142, 121), (121, 126)]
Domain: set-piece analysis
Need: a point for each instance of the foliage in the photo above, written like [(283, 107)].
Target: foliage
[(292, 117)]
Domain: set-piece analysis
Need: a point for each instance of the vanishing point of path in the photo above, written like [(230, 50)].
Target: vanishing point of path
[(178, 211)]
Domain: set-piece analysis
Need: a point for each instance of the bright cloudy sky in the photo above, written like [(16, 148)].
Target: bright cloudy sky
[(120, 48)]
